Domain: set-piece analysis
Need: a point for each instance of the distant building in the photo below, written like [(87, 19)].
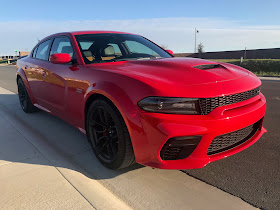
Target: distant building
[(13, 57), (182, 54), (10, 57), (23, 53), (273, 53)]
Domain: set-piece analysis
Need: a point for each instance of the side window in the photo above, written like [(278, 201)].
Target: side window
[(139, 48), (62, 45), (42, 52), (34, 52)]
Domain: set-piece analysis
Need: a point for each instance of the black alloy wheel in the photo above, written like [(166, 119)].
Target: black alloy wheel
[(24, 99), (108, 135), (104, 133)]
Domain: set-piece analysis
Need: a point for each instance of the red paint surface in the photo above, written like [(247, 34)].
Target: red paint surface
[(60, 58)]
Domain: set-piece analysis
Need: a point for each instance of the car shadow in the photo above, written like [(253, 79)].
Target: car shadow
[(24, 136)]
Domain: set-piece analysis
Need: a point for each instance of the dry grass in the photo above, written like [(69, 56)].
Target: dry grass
[(260, 67)]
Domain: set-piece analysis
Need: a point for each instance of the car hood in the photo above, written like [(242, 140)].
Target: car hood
[(179, 71)]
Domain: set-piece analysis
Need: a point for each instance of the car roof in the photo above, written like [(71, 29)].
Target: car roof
[(88, 32), (83, 32)]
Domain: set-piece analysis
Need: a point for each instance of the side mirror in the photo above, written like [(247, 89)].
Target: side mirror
[(60, 58), (169, 51)]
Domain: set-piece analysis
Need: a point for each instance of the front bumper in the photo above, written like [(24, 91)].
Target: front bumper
[(158, 128)]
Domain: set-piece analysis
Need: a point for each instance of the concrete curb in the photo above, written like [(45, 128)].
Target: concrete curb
[(270, 78)]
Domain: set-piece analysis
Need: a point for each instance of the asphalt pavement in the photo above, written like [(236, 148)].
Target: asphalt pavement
[(252, 175)]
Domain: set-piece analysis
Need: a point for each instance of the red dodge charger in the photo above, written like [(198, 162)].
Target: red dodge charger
[(138, 103)]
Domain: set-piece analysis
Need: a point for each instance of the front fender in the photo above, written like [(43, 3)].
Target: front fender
[(129, 111)]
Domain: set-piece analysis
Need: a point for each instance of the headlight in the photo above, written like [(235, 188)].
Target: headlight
[(170, 105)]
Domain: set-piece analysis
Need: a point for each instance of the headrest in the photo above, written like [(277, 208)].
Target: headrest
[(108, 51), (87, 53)]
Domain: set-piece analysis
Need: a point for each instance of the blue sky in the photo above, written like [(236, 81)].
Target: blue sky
[(223, 24)]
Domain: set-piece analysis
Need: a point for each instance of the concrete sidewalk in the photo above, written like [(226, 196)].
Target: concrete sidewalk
[(46, 163), (30, 180)]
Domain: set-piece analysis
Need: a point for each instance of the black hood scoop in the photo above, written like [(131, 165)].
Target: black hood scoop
[(208, 66)]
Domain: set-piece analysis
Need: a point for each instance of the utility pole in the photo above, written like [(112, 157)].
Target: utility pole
[(195, 32)]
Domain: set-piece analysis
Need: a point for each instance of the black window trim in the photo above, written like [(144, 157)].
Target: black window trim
[(34, 51)]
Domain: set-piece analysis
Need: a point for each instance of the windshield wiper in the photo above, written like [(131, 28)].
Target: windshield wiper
[(148, 58), (139, 58), (144, 58)]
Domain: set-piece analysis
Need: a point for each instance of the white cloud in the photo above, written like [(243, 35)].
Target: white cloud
[(177, 33)]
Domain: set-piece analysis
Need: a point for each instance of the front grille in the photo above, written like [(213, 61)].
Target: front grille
[(207, 105), (230, 140)]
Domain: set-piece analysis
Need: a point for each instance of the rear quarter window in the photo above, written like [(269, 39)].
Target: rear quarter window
[(43, 50)]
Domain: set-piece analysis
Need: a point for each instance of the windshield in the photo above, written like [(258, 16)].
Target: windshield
[(98, 48)]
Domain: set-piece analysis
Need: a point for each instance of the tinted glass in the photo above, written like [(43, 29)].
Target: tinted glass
[(136, 47), (62, 45), (116, 48), (86, 45), (42, 52), (97, 48)]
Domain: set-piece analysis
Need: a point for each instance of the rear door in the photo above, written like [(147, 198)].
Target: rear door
[(35, 70)]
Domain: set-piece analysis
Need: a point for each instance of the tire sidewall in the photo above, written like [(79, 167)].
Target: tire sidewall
[(122, 133), (29, 107), (21, 83)]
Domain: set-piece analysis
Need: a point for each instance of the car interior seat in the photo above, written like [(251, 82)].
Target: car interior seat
[(88, 54), (108, 53)]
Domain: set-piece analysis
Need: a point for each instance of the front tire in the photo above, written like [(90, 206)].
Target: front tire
[(24, 98), (108, 135)]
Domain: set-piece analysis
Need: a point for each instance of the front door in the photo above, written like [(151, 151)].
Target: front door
[(57, 77)]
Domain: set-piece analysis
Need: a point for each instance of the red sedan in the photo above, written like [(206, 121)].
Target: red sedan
[(136, 102)]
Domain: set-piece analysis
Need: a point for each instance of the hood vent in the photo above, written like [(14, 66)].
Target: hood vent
[(208, 66)]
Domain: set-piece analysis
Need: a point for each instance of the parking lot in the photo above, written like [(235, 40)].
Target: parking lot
[(252, 175)]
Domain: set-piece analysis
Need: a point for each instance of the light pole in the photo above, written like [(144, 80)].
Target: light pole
[(16, 52), (195, 32)]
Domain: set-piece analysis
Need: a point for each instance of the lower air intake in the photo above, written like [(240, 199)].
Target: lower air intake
[(230, 140), (179, 147)]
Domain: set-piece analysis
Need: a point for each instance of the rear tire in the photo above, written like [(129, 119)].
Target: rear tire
[(24, 98), (108, 135)]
